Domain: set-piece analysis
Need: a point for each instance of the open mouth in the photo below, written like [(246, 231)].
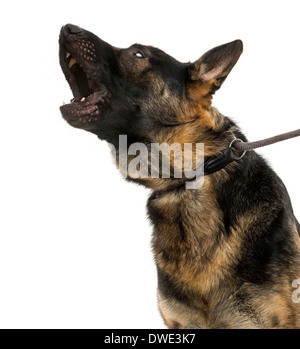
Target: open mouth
[(89, 95)]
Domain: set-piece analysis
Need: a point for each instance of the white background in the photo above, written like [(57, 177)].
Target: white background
[(74, 237)]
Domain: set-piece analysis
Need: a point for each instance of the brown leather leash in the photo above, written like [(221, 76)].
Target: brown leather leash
[(217, 163), (245, 146)]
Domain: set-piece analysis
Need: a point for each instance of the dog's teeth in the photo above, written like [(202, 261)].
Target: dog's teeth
[(68, 55), (72, 62), (82, 99)]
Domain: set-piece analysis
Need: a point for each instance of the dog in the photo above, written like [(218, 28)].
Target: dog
[(227, 253)]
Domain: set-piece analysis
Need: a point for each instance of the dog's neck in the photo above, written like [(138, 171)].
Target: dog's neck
[(193, 215)]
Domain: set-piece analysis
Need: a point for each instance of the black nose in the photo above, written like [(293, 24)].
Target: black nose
[(71, 29)]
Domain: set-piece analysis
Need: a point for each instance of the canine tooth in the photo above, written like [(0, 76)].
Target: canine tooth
[(72, 62), (82, 99), (68, 55)]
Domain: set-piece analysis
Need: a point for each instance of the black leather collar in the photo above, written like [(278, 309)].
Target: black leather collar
[(215, 164)]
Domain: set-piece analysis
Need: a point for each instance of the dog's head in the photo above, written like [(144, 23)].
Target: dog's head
[(141, 91), (126, 91)]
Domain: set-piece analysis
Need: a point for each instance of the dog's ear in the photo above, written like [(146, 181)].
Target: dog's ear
[(213, 67)]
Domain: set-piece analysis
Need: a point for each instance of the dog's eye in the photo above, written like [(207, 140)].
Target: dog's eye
[(139, 54)]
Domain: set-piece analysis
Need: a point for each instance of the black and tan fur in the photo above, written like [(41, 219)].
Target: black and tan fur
[(226, 254)]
